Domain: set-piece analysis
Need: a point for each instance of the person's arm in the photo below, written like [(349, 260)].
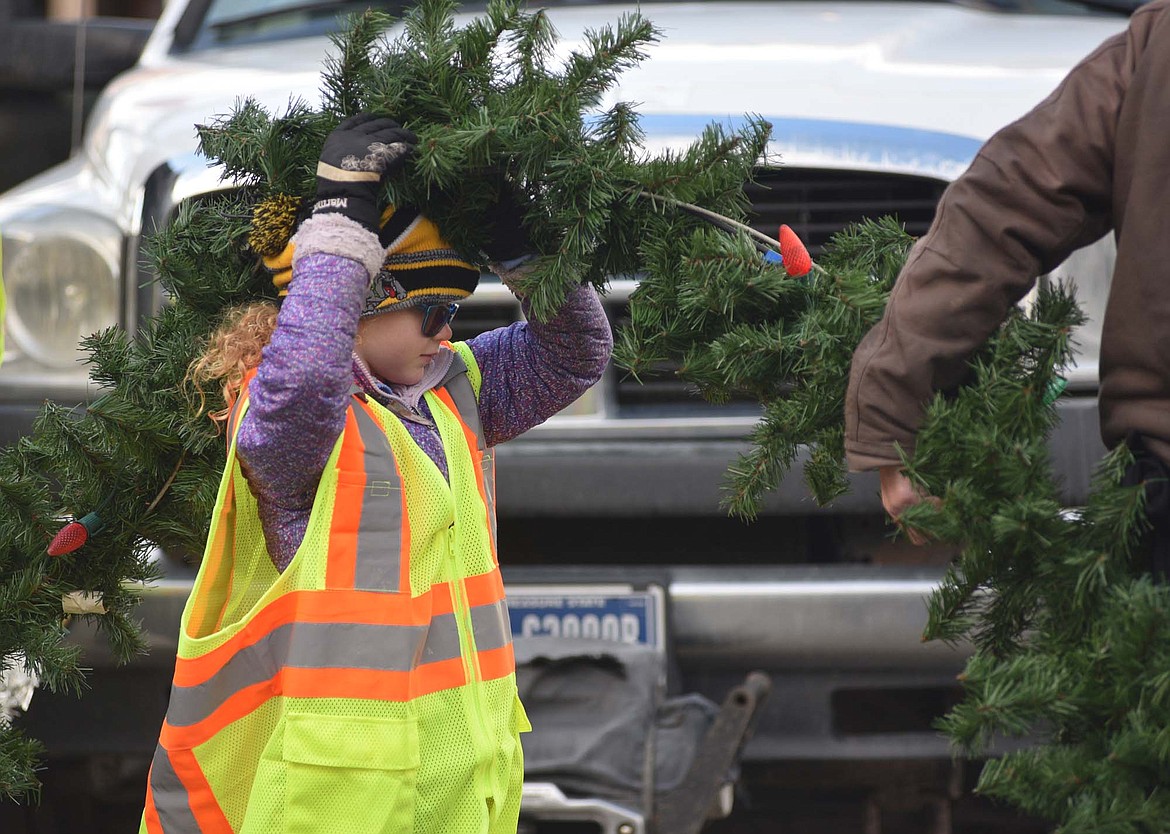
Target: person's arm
[(1038, 190), (298, 399), (531, 370)]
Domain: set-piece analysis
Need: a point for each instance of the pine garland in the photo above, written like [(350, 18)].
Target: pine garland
[(137, 454), (1070, 633), (1071, 638)]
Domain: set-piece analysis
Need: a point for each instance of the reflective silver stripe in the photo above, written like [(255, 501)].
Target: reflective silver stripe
[(378, 565), (487, 465), (462, 394), (491, 626), (442, 640), (391, 648), (170, 797)]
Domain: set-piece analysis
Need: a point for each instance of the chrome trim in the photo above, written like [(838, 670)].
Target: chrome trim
[(544, 801), (806, 619)]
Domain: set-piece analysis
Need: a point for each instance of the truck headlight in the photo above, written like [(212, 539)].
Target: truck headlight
[(61, 271)]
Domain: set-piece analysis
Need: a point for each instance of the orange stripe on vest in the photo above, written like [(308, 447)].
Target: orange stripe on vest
[(369, 607), (319, 683), (204, 808), (347, 508)]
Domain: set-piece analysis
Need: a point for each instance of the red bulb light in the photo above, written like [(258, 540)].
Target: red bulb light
[(797, 261), (70, 537), (74, 534)]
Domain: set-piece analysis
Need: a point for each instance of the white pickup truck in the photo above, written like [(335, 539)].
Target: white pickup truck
[(876, 106)]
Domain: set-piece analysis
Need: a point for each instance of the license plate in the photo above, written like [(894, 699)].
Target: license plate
[(621, 613)]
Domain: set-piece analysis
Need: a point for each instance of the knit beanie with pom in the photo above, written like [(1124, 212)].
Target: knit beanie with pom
[(418, 266)]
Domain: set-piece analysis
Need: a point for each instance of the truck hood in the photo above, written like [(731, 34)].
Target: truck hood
[(907, 86)]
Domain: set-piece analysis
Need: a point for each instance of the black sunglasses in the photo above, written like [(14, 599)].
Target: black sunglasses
[(436, 317)]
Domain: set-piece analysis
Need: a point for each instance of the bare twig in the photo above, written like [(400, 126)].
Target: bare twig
[(761, 240)]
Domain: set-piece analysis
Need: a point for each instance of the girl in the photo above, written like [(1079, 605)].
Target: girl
[(345, 661)]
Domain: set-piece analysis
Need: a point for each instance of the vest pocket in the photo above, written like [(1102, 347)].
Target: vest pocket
[(520, 722), (350, 775)]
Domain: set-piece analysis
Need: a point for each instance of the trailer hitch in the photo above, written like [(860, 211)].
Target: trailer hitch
[(686, 808)]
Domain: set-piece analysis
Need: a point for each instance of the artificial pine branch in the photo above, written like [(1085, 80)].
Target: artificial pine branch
[(746, 327), (1069, 637), (137, 454), (16, 753), (350, 62)]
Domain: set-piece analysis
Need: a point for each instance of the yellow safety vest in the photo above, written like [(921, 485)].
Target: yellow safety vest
[(370, 687)]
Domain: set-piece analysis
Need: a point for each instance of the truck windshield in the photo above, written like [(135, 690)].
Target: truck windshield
[(229, 22), (213, 23)]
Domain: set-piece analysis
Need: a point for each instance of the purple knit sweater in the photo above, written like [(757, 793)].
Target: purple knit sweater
[(300, 394)]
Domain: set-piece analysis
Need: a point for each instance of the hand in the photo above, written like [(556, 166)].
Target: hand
[(899, 494), (357, 156), (507, 238)]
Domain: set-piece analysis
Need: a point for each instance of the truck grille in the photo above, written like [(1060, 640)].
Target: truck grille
[(819, 203), (816, 204)]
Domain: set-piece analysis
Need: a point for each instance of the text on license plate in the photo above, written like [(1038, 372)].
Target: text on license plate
[(616, 613)]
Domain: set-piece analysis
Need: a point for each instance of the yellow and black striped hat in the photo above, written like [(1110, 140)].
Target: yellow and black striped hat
[(419, 266)]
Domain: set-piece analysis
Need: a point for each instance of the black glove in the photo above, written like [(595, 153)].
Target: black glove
[(507, 238), (356, 157)]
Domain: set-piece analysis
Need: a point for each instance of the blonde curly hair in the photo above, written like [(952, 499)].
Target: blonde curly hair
[(232, 350)]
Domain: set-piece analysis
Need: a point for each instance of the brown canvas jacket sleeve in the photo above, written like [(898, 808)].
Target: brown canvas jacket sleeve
[(1039, 189)]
